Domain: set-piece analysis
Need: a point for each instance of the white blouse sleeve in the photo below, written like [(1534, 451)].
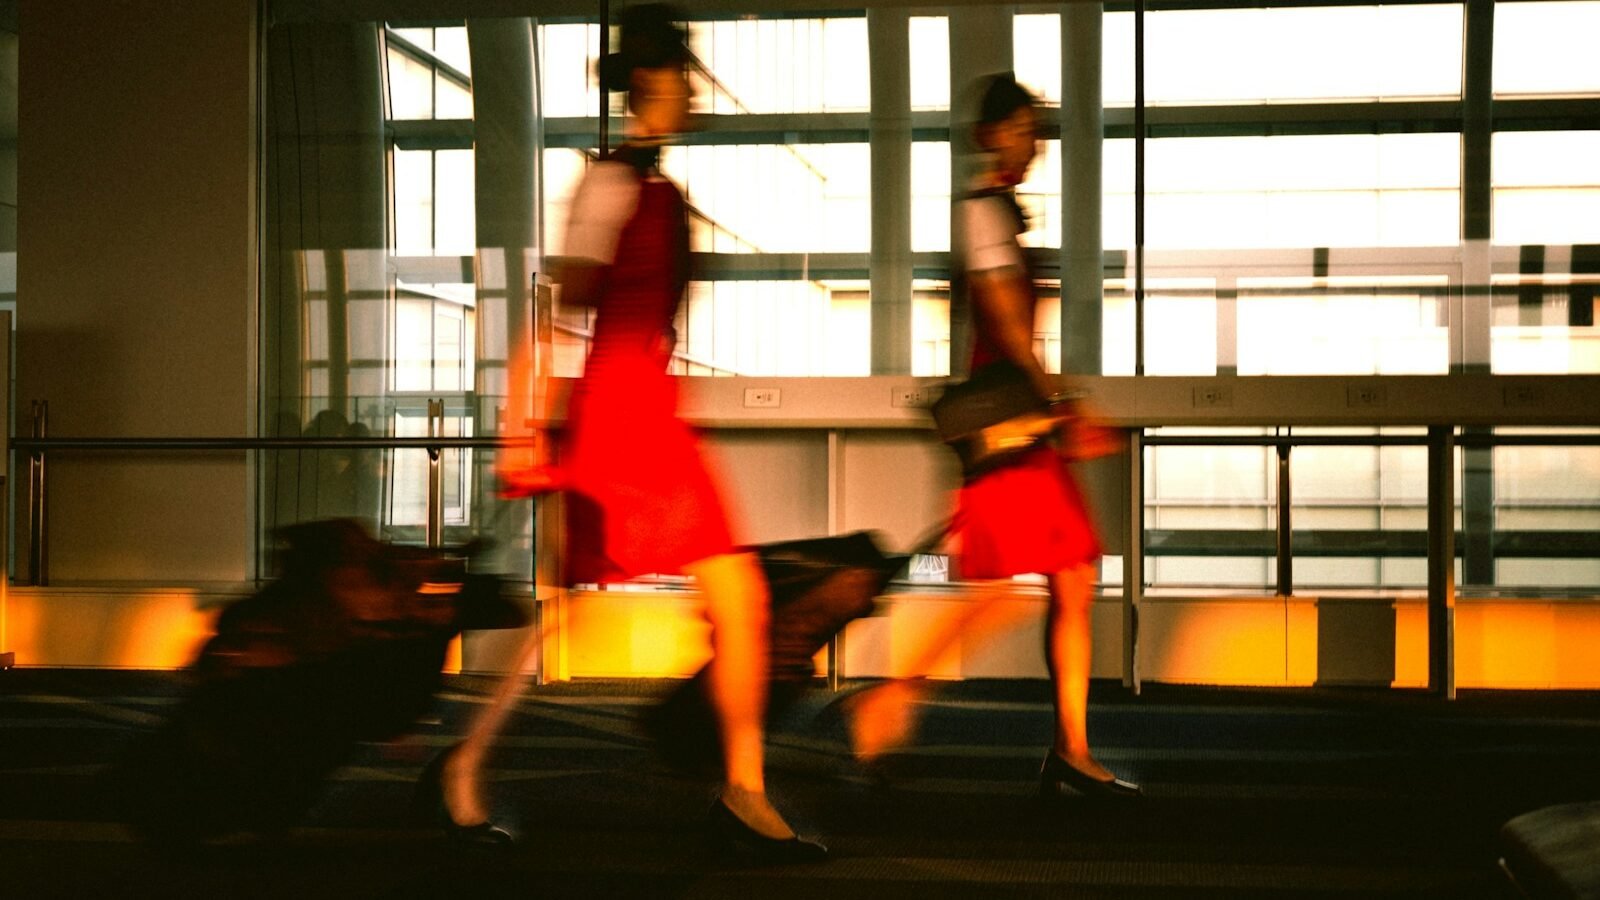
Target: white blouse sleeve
[(990, 235), (606, 198)]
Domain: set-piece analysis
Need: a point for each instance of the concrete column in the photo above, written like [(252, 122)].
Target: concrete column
[(1470, 318), (980, 44), (508, 148), (1082, 133), (889, 131)]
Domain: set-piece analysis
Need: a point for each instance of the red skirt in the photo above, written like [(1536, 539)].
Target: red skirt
[(1024, 518), (640, 499)]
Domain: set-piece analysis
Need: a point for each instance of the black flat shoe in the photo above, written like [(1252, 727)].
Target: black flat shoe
[(427, 805), (733, 835), (1057, 773)]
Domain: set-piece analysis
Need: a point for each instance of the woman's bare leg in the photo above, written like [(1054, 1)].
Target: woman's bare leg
[(1066, 650), (738, 605), (883, 718), (461, 779)]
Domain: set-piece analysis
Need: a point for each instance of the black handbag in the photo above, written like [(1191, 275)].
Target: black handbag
[(992, 417)]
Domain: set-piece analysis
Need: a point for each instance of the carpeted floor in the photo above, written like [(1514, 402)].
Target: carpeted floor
[(1249, 794)]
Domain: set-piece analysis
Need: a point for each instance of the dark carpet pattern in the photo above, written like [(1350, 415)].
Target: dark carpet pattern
[(1249, 794)]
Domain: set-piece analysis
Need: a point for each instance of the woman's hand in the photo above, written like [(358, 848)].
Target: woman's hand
[(1082, 433)]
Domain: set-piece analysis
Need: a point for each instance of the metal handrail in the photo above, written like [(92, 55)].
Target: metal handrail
[(42, 445), (36, 446)]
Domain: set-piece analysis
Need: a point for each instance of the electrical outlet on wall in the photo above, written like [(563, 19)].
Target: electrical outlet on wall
[(909, 397), (762, 397), (1213, 396), (1365, 396)]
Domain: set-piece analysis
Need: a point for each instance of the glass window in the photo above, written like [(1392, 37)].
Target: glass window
[(434, 212), (1546, 512), (1546, 187), (1349, 190), (777, 328), (930, 196), (1292, 55), (783, 65), (568, 53), (1036, 53), (1359, 514), (430, 73), (1288, 55), (1209, 514), (1546, 48), (776, 198), (1343, 326), (1544, 325), (930, 327), (930, 62)]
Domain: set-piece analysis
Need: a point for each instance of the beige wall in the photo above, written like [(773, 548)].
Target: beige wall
[(136, 281)]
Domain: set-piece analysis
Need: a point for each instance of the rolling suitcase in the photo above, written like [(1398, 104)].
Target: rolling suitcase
[(818, 586), (347, 646)]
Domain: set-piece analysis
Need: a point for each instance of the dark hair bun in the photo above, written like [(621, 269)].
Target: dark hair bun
[(650, 39)]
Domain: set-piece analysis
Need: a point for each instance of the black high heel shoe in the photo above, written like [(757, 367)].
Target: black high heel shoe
[(733, 835), (427, 805), (1057, 773)]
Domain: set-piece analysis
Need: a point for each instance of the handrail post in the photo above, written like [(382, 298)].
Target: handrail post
[(7, 658), (1441, 561), (38, 539), (1133, 561), (435, 526), (1285, 544)]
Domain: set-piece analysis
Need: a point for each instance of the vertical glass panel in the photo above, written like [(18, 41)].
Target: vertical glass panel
[(1547, 515), (783, 65), (1546, 187), (1209, 514), (1036, 53), (930, 62), (568, 53), (930, 196), (1040, 197), (410, 86), (930, 327), (1299, 54), (452, 100), (1546, 48), (1359, 514), (455, 225), (1546, 199), (413, 201), (1180, 326), (413, 348), (450, 46)]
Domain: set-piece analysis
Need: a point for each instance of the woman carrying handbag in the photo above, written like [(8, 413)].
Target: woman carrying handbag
[(1019, 511)]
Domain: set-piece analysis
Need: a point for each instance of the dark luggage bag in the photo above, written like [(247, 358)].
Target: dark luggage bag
[(347, 646), (818, 586)]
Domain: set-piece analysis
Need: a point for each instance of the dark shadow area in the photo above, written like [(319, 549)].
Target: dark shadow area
[(1314, 793)]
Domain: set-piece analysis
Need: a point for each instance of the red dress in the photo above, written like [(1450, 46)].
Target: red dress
[(1025, 517), (639, 497)]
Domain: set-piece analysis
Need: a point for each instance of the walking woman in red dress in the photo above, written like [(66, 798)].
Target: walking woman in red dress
[(639, 496), (1028, 515)]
